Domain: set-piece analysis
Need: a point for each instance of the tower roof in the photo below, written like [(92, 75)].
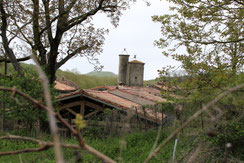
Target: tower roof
[(136, 61)]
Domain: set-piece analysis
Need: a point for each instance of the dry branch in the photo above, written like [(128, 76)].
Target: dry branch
[(43, 145)]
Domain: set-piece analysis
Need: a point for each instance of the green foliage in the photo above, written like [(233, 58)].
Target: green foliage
[(208, 31), (14, 106), (233, 133), (205, 37), (133, 147)]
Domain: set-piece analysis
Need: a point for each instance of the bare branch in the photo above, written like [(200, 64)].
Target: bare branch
[(43, 145), (20, 31), (19, 59), (48, 21), (63, 61), (218, 42), (41, 148), (83, 17)]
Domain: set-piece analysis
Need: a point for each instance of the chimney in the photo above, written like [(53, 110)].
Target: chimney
[(123, 67), (62, 79)]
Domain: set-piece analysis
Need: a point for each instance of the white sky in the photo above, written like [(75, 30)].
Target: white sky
[(136, 32)]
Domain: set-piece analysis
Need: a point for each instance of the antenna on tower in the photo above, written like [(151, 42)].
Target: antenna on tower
[(124, 51)]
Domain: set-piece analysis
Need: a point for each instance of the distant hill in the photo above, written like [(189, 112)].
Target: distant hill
[(88, 81), (83, 81), (101, 74)]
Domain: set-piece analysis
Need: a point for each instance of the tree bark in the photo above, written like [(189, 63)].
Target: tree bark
[(8, 51)]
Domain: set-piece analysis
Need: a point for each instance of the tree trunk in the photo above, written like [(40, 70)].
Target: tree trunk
[(51, 70), (8, 51)]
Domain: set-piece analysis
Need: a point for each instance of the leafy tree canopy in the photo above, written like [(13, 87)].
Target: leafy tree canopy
[(55, 30), (207, 37), (211, 33)]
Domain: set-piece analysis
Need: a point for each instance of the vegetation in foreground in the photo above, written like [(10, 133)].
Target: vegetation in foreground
[(132, 147)]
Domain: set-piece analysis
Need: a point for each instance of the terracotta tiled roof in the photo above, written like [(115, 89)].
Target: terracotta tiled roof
[(70, 94), (111, 99), (149, 93), (124, 97), (65, 85)]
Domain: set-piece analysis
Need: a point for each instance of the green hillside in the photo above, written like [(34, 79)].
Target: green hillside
[(83, 81), (101, 74)]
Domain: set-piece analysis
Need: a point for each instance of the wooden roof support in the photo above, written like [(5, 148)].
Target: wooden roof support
[(95, 106), (82, 108), (92, 113), (69, 105)]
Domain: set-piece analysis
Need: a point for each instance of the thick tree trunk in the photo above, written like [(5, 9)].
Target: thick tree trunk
[(51, 73)]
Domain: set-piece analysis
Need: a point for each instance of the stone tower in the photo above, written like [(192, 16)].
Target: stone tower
[(130, 73), (123, 67), (135, 73)]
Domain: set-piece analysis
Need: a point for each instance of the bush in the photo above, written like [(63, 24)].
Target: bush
[(15, 108)]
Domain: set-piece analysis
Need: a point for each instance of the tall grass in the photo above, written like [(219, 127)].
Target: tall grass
[(132, 147)]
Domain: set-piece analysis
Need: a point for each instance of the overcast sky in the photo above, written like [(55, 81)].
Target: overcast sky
[(136, 32)]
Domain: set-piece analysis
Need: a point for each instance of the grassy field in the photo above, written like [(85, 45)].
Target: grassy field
[(132, 147)]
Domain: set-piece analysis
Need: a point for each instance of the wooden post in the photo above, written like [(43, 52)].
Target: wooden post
[(70, 122), (82, 108), (144, 111), (138, 120)]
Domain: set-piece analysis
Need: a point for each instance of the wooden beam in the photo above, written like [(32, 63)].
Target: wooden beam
[(90, 114), (95, 106), (76, 103), (82, 108), (71, 111)]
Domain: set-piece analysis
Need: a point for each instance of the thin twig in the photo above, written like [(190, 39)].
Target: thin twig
[(52, 119), (44, 145)]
